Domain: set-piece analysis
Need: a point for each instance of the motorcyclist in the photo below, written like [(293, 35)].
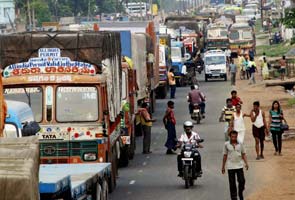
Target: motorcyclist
[(195, 96), (199, 62), (189, 136)]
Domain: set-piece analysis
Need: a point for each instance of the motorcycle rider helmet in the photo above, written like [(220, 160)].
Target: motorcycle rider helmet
[(188, 124)]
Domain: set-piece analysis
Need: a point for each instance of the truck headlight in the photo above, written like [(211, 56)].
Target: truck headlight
[(90, 156), (187, 154)]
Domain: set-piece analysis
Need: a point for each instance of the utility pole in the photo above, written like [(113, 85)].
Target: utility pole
[(33, 18), (261, 12), (88, 16), (29, 14)]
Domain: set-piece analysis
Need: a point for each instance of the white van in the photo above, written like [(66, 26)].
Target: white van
[(215, 64)]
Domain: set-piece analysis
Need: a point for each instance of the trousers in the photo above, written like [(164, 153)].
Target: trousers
[(146, 138), (232, 173)]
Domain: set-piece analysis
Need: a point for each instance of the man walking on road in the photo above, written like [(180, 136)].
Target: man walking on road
[(258, 128), (234, 155), (172, 83), (170, 122), (226, 116), (147, 123), (235, 99), (233, 72)]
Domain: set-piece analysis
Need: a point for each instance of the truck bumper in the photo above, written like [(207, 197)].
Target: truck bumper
[(221, 75)]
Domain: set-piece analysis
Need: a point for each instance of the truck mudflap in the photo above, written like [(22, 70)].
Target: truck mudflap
[(73, 180)]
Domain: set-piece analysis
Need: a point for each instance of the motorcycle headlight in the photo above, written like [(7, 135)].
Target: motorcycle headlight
[(90, 156), (187, 154)]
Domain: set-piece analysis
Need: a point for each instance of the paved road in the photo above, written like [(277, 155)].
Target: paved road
[(155, 176)]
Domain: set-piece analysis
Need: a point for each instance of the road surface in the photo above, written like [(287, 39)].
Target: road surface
[(154, 176)]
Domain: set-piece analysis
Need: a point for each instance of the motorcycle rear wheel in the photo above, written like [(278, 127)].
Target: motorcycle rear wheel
[(186, 176)]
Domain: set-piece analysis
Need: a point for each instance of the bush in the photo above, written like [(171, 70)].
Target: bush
[(291, 102)]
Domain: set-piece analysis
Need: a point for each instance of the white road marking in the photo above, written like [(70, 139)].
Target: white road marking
[(147, 157), (132, 182), (140, 171), (144, 163)]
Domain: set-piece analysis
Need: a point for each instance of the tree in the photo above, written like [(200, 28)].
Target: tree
[(41, 9), (289, 20)]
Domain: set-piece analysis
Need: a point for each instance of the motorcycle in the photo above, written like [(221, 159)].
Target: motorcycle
[(189, 163), (196, 114), (199, 69)]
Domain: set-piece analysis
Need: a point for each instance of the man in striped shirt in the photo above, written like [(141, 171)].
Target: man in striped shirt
[(226, 115)]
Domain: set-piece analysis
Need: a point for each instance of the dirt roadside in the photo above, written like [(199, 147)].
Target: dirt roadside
[(274, 177)]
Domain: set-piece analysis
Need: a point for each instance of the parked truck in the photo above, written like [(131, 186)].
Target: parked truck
[(164, 64), (73, 82), (217, 36), (241, 38), (144, 54)]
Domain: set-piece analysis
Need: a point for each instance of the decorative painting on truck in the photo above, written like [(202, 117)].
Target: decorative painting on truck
[(49, 60)]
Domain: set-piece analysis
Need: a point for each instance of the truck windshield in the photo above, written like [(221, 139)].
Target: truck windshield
[(223, 33), (175, 52), (234, 35), (247, 35), (76, 104), (30, 95), (215, 60)]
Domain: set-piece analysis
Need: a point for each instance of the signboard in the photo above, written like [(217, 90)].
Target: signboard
[(49, 61)]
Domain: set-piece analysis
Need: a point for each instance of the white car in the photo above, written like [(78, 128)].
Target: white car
[(215, 64)]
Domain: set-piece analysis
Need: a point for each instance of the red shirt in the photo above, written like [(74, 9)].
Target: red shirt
[(170, 115), (236, 101)]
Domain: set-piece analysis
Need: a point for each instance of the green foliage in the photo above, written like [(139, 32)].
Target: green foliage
[(289, 20), (275, 50), (41, 11), (291, 102)]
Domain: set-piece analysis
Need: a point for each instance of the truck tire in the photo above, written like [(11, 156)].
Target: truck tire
[(98, 192), (132, 147), (124, 157), (105, 190), (113, 176)]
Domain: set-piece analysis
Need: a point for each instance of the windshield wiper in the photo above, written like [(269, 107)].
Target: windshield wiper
[(28, 96)]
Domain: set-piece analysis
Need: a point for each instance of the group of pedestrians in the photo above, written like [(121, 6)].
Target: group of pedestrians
[(234, 153)]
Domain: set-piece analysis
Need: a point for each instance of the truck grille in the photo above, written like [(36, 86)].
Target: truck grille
[(75, 148)]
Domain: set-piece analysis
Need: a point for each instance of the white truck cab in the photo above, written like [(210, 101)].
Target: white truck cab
[(215, 64)]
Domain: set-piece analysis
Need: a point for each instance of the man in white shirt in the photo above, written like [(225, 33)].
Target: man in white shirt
[(234, 155), (192, 137)]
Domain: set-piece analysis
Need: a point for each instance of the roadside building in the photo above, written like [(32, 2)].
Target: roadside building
[(7, 15)]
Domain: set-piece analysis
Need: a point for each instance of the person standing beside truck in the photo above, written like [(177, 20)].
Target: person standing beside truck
[(172, 83), (147, 123)]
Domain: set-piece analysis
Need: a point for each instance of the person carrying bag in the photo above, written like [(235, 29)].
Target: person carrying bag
[(276, 126)]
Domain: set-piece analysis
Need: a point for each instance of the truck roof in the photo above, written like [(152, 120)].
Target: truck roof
[(214, 53), (240, 25)]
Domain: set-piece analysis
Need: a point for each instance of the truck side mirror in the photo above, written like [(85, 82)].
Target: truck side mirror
[(30, 128)]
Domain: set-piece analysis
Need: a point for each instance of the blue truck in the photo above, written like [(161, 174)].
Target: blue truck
[(177, 54)]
